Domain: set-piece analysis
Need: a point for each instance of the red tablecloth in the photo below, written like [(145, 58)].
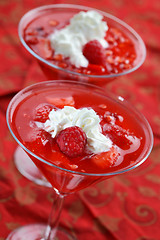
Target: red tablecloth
[(125, 207)]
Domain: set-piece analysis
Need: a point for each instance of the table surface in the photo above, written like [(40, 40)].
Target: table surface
[(126, 207)]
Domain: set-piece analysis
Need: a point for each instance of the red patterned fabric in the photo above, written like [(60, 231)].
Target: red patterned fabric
[(123, 208)]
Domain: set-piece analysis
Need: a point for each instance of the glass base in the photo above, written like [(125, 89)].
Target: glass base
[(35, 232), (28, 169)]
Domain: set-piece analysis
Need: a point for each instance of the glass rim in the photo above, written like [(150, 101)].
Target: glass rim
[(108, 15), (113, 97)]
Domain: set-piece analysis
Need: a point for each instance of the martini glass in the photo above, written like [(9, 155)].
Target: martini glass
[(65, 12), (54, 72), (65, 181)]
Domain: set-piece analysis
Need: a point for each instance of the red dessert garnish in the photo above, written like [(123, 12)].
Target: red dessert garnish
[(97, 69), (59, 159), (119, 136), (118, 57), (61, 102), (94, 52), (42, 112), (53, 23), (31, 39), (72, 141), (44, 49), (39, 140), (105, 159)]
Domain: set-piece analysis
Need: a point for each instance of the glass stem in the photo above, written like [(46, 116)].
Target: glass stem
[(54, 217)]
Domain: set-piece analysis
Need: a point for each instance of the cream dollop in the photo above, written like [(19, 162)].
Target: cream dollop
[(83, 27), (85, 118)]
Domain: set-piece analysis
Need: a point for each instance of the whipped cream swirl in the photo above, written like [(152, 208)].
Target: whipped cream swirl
[(83, 27), (85, 118)]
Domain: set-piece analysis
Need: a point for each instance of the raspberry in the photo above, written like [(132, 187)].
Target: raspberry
[(94, 52), (106, 159), (42, 112), (72, 141)]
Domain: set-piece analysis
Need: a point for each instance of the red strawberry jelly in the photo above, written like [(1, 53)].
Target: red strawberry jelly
[(128, 132), (118, 57), (125, 131)]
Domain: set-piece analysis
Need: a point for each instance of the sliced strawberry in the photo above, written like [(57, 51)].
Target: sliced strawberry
[(53, 23), (72, 141), (61, 160), (31, 39), (40, 140), (31, 32), (105, 159), (44, 49), (42, 112), (96, 68), (61, 102), (94, 52), (118, 135), (58, 57)]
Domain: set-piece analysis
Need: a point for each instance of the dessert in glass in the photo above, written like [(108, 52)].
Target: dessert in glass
[(58, 37), (78, 43), (76, 134)]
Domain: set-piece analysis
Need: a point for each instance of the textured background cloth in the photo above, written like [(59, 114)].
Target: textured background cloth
[(126, 207)]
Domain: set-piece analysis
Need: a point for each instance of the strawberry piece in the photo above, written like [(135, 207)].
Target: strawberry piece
[(58, 57), (42, 112), (31, 39), (118, 135), (44, 49), (39, 140), (94, 52), (105, 159), (61, 102), (72, 141), (61, 160), (96, 68), (53, 23), (31, 32)]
